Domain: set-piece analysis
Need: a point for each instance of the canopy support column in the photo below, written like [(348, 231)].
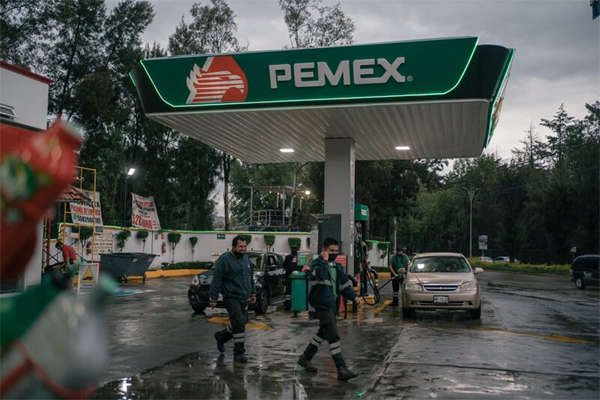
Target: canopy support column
[(339, 190)]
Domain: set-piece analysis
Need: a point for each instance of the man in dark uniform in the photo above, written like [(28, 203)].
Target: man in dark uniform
[(327, 282), (399, 260), (233, 278), (290, 264)]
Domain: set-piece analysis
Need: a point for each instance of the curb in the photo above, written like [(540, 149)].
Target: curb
[(159, 273)]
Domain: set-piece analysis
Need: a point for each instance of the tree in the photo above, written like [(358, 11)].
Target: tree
[(212, 30), (312, 25)]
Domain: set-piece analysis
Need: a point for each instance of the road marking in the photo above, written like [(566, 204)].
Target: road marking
[(380, 308), (553, 337), (225, 321)]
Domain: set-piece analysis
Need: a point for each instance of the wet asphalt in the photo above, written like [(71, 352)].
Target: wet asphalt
[(538, 337)]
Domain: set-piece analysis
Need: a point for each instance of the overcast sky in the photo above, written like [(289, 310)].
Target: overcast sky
[(557, 42)]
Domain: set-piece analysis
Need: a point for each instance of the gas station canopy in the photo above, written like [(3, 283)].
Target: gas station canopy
[(402, 100)]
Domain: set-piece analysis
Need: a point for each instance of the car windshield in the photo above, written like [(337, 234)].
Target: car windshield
[(440, 264), (256, 261)]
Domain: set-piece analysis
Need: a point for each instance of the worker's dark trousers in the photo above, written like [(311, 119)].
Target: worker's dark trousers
[(328, 331), (288, 294), (396, 283), (238, 316)]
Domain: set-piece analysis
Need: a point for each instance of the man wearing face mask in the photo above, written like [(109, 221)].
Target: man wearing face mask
[(234, 279), (327, 282)]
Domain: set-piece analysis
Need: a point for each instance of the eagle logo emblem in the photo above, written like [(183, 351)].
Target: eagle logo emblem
[(220, 80)]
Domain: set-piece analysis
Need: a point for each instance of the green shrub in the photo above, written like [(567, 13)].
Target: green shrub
[(185, 265), (370, 244), (193, 240), (269, 241), (295, 242), (383, 248), (247, 238), (142, 235), (85, 233), (521, 268), (173, 238), (122, 239)]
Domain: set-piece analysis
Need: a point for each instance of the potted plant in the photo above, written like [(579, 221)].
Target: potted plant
[(122, 239), (173, 239), (142, 235), (193, 241)]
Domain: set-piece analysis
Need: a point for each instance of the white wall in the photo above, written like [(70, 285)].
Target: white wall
[(27, 96), (205, 249), (208, 245)]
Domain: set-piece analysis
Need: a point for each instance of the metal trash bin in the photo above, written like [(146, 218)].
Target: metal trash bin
[(123, 265), (299, 292)]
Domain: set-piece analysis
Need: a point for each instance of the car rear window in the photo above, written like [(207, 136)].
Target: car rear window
[(440, 264), (256, 262)]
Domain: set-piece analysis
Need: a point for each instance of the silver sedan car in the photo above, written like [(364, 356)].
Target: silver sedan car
[(441, 281)]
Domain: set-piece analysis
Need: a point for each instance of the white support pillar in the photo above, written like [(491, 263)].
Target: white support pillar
[(339, 190)]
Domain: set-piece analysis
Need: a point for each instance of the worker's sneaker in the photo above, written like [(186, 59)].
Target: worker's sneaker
[(307, 365), (240, 358), (220, 345), (345, 373)]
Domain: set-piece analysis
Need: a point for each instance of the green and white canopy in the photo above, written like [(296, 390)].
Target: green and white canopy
[(439, 98)]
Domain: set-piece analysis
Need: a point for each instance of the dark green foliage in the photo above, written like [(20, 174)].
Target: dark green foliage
[(193, 241), (174, 238), (142, 234), (295, 242), (122, 239), (85, 233), (247, 238), (185, 265), (269, 241)]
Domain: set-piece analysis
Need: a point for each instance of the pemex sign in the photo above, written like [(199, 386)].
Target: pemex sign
[(304, 76)]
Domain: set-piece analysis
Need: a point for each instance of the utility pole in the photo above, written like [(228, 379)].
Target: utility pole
[(297, 170), (471, 192)]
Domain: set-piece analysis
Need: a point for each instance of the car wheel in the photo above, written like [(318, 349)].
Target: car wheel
[(408, 313), (263, 302), (476, 314), (580, 283), (199, 309)]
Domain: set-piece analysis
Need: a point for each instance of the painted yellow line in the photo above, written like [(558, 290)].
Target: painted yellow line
[(159, 273), (381, 307), (225, 321), (553, 337)]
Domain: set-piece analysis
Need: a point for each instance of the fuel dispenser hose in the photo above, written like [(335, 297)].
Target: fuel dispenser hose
[(370, 278)]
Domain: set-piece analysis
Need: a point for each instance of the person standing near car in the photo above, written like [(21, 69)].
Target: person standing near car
[(328, 282), (399, 260), (233, 279), (290, 264)]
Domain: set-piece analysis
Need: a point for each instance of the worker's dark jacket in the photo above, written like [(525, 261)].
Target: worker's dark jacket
[(289, 264), (233, 277), (321, 293)]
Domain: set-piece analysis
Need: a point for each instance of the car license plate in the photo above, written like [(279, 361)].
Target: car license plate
[(440, 299)]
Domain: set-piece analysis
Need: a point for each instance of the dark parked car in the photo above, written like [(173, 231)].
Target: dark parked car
[(585, 271), (269, 278)]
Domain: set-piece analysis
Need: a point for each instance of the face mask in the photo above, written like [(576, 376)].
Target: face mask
[(331, 257)]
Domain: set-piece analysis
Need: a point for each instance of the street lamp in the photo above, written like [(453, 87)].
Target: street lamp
[(471, 192), (130, 172)]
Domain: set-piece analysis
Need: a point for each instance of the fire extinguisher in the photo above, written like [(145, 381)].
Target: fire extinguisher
[(164, 248)]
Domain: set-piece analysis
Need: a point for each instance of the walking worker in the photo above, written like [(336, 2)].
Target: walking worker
[(327, 282), (290, 264), (399, 260), (234, 280)]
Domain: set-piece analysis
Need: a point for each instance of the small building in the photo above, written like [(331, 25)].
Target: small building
[(23, 113)]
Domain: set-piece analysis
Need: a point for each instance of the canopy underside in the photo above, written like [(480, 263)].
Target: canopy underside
[(442, 129)]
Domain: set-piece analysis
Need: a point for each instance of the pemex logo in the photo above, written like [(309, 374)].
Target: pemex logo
[(220, 80)]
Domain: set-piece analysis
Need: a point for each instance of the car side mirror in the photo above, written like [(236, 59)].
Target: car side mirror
[(402, 270), (478, 270)]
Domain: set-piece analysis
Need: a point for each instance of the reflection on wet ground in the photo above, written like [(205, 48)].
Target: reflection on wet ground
[(538, 338)]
